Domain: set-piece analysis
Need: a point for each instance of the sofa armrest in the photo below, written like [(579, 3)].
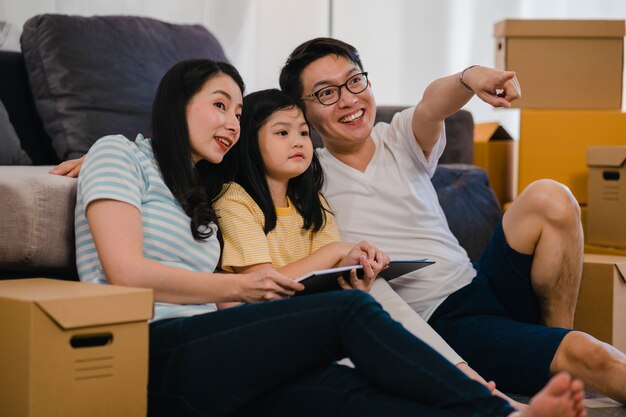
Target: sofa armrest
[(37, 222), (470, 206)]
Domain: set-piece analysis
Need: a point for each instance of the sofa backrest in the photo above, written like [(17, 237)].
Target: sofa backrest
[(18, 100), (93, 76), (46, 237)]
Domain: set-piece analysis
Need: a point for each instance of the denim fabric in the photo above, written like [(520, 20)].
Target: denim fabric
[(277, 358), (493, 322)]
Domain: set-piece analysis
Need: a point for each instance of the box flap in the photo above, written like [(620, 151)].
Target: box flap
[(621, 267), (561, 28), (484, 132), (618, 261), (95, 310), (606, 156), (76, 304)]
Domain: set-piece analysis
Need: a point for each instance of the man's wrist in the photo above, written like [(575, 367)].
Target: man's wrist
[(462, 81)]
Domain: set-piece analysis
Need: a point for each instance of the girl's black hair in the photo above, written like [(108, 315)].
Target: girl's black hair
[(303, 190), (195, 187)]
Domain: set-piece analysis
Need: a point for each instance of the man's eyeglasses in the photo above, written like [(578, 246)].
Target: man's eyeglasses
[(331, 94)]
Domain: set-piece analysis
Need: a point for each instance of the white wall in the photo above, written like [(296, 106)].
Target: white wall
[(257, 35), (404, 44)]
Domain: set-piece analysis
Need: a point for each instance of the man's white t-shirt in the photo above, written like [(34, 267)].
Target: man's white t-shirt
[(394, 205)]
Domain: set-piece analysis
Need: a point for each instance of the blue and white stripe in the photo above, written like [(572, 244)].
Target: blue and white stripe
[(121, 170)]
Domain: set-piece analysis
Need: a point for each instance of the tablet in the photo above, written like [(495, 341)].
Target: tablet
[(398, 268), (326, 279)]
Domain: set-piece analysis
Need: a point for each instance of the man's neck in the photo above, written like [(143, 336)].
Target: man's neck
[(357, 157)]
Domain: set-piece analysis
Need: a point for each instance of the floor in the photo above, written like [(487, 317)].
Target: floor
[(597, 406)]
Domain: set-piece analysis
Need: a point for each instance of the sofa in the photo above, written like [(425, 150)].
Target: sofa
[(79, 78)]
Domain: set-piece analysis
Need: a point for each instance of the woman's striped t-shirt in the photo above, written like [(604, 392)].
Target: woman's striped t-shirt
[(118, 169)]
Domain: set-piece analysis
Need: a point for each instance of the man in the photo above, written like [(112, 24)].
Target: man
[(511, 317)]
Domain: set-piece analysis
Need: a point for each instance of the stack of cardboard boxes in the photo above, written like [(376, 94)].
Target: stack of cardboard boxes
[(571, 74)]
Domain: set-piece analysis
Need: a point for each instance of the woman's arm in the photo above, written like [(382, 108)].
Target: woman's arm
[(117, 232)]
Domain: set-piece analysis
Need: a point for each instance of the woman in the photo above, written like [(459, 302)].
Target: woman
[(144, 218)]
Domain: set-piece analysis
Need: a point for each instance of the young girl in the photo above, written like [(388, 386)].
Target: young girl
[(274, 215), (144, 217)]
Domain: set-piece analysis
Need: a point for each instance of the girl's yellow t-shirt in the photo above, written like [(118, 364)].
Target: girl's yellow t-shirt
[(241, 223)]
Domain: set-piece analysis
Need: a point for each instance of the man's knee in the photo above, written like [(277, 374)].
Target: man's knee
[(554, 201), (580, 352)]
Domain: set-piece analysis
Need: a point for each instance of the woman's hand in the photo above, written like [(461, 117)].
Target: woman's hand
[(373, 261), (69, 168), (265, 285)]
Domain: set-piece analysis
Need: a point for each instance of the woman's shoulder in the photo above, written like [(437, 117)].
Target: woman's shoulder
[(119, 141), (114, 145)]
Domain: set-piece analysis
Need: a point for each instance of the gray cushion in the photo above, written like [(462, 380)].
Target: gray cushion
[(470, 206), (94, 76), (10, 151), (460, 134), (37, 222)]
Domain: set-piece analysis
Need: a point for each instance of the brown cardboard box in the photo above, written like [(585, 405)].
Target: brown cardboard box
[(601, 309), (604, 250), (607, 195), (71, 349), (569, 64), (496, 152), (553, 144)]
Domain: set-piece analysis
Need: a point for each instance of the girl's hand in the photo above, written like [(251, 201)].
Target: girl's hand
[(265, 285), (69, 168), (373, 261), (366, 249)]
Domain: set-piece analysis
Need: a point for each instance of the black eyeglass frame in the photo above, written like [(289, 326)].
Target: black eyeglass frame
[(316, 94)]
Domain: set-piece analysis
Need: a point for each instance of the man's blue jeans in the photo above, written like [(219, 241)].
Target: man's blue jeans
[(277, 358)]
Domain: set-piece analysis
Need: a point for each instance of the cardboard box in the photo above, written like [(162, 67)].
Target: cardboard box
[(71, 349), (604, 250), (601, 308), (553, 144), (569, 64), (496, 152), (607, 195)]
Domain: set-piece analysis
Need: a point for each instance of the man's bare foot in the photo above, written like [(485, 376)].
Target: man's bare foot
[(561, 397)]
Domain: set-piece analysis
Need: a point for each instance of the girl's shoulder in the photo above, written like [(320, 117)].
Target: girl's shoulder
[(323, 201), (233, 192)]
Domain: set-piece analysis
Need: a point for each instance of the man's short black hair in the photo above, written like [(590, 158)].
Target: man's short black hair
[(308, 52)]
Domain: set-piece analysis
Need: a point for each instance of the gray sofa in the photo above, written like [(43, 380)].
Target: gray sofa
[(79, 78)]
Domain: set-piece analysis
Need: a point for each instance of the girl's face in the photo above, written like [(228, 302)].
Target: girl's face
[(213, 118), (285, 144)]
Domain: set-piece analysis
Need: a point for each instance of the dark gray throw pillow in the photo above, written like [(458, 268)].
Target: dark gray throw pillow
[(11, 153), (470, 206), (94, 76)]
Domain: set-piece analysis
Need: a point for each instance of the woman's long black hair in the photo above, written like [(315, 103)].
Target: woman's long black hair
[(303, 190), (195, 187)]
